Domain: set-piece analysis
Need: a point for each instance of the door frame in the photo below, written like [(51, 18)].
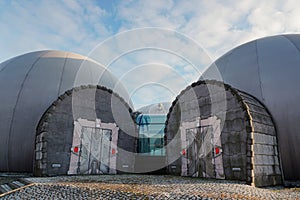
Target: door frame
[(75, 155), (216, 143)]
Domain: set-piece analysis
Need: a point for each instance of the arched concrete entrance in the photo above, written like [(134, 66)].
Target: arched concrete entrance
[(216, 131), (79, 134)]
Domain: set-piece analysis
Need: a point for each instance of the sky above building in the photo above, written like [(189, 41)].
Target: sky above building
[(156, 48)]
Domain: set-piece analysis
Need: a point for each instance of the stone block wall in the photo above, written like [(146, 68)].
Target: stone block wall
[(265, 159), (205, 101), (248, 135), (55, 130)]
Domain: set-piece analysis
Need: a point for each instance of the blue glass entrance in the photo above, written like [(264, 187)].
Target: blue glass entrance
[(151, 134)]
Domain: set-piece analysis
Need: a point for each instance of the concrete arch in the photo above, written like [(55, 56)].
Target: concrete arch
[(56, 131), (246, 141)]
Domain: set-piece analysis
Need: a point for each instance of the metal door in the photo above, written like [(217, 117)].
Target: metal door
[(105, 151), (202, 149), (192, 151), (94, 147), (95, 151), (95, 156), (206, 154), (84, 154)]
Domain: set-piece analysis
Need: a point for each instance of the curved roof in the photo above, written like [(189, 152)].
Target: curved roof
[(29, 84), (156, 109), (269, 68)]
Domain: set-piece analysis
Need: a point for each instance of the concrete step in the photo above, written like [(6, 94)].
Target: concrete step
[(24, 181), (5, 188), (18, 183), (12, 185)]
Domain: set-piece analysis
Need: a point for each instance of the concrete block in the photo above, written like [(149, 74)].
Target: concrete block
[(277, 170), (235, 148), (263, 160), (235, 137), (263, 139), (263, 170), (228, 173), (276, 161), (256, 108), (236, 125), (38, 146), (263, 149), (238, 160), (243, 146), (38, 155), (201, 91), (232, 104), (262, 128), (260, 118)]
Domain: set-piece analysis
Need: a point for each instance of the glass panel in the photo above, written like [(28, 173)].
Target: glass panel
[(151, 134)]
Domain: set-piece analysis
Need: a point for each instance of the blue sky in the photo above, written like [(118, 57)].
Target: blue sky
[(152, 63)]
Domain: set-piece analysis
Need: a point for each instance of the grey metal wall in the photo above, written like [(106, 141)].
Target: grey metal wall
[(29, 84), (269, 69)]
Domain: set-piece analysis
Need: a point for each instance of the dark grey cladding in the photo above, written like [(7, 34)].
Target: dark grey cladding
[(29, 84), (269, 68)]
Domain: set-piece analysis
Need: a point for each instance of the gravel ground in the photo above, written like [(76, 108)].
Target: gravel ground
[(145, 187)]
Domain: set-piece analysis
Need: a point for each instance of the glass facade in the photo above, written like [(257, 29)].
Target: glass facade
[(151, 134)]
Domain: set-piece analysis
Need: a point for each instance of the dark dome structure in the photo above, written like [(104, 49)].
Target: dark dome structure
[(30, 84), (269, 68)]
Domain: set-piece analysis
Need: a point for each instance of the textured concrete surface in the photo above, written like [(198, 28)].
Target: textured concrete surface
[(55, 130), (145, 187), (248, 137)]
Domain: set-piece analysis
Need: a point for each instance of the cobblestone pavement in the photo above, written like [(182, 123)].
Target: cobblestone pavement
[(145, 187)]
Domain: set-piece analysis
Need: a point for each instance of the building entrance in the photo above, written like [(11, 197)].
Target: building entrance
[(201, 149), (94, 148)]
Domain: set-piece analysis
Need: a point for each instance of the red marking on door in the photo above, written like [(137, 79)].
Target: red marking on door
[(113, 151), (217, 150), (76, 149)]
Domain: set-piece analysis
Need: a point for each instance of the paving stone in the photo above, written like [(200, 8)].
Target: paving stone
[(145, 187)]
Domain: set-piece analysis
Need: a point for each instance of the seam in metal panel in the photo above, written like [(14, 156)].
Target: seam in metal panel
[(258, 71), (8, 138), (12, 59), (226, 65), (14, 109), (293, 43), (279, 150), (62, 74)]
